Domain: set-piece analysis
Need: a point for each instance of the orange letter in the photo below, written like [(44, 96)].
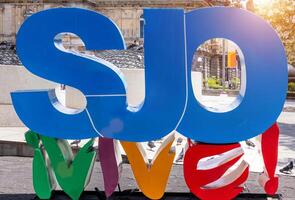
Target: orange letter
[(151, 177)]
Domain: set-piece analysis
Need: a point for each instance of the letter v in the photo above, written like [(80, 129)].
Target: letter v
[(71, 173), (151, 177)]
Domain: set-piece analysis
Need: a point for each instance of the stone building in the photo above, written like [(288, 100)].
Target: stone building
[(127, 14), (208, 59)]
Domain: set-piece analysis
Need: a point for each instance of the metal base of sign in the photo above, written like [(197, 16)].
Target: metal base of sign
[(135, 195), (131, 195)]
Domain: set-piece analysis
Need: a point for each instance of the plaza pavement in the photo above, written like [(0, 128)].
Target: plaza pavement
[(16, 181), (286, 146)]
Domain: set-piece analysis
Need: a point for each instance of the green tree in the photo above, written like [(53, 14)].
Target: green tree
[(281, 15)]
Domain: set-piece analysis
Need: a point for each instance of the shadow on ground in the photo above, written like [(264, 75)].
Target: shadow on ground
[(127, 196)]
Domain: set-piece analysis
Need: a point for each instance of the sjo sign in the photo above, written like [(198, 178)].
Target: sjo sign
[(171, 38)]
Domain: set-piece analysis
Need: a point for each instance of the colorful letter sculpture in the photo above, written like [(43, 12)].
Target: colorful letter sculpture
[(169, 102), (269, 149), (210, 170), (171, 39), (151, 177), (111, 163), (213, 181), (72, 173)]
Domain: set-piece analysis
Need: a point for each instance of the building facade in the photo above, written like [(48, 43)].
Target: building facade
[(127, 14)]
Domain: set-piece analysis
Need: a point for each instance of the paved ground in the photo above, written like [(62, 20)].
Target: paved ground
[(16, 182)]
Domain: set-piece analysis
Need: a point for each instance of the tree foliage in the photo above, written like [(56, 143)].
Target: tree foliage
[(281, 15)]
